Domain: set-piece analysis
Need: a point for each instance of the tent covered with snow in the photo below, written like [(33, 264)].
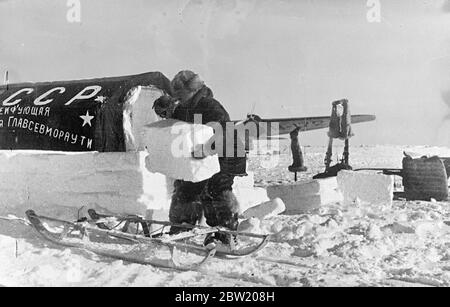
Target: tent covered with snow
[(102, 115)]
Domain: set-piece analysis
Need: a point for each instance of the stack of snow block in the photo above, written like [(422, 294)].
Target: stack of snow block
[(303, 197), (170, 144), (110, 182), (366, 187)]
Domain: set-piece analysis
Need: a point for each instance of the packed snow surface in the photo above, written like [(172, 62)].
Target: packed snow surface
[(406, 243)]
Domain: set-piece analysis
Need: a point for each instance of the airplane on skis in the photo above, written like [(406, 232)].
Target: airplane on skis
[(102, 114)]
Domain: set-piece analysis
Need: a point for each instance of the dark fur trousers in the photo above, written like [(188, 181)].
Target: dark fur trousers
[(212, 198)]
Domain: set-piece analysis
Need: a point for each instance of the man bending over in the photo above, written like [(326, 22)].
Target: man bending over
[(213, 197)]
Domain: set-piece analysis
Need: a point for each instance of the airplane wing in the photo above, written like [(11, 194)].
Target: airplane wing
[(286, 125), (313, 123)]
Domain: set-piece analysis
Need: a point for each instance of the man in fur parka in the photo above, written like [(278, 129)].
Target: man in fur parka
[(214, 197)]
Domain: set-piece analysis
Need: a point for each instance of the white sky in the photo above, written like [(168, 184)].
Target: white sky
[(290, 58)]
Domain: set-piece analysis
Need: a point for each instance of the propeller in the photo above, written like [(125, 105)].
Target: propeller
[(250, 116), (6, 79)]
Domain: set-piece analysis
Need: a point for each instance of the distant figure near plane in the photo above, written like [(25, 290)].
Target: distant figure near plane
[(297, 154)]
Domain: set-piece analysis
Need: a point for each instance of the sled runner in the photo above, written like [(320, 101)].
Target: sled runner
[(128, 238), (191, 233), (120, 245)]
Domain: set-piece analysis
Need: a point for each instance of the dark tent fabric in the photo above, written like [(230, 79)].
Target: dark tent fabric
[(82, 115)]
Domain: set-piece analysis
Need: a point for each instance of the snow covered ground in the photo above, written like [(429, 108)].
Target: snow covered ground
[(405, 244)]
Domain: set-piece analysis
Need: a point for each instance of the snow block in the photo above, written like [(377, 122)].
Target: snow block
[(247, 194), (366, 187), (251, 225), (137, 113), (244, 181), (250, 197), (265, 210), (170, 144), (161, 215), (303, 197), (114, 182)]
